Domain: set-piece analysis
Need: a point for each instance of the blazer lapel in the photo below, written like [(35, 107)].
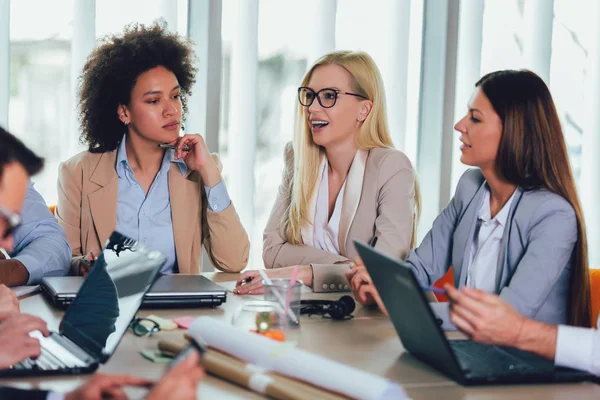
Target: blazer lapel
[(184, 193), (307, 229), (502, 272), (352, 194), (103, 201), (463, 236)]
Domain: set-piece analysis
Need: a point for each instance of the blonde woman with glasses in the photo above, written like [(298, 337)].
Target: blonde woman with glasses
[(343, 180)]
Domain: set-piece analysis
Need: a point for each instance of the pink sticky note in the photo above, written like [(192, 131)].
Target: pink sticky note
[(184, 322)]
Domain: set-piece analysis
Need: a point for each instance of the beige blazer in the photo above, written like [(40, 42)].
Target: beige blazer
[(379, 202), (88, 187)]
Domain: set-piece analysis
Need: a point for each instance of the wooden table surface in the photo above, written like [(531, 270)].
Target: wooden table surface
[(368, 341)]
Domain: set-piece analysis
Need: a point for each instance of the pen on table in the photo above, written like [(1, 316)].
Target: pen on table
[(171, 146), (433, 289)]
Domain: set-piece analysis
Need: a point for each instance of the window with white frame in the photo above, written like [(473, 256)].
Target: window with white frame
[(39, 102), (267, 46)]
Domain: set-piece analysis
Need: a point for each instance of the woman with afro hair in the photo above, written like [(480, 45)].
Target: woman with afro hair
[(132, 98)]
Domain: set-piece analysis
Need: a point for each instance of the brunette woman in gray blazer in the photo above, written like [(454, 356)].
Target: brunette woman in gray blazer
[(514, 226)]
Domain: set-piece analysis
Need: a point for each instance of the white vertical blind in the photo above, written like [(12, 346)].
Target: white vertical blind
[(82, 44), (438, 78), (243, 110), (168, 11), (537, 38), (468, 70), (4, 61), (591, 144), (321, 29), (204, 29), (396, 81)]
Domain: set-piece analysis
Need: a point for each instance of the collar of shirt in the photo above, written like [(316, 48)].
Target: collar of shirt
[(485, 212), (123, 163)]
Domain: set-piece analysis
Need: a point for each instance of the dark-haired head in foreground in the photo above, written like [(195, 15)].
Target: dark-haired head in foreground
[(17, 163), (13, 150)]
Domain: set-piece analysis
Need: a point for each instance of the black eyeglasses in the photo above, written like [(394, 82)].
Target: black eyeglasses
[(326, 97), (13, 221), (144, 327)]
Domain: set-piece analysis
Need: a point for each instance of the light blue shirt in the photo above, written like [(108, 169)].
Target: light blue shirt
[(147, 218), (40, 243)]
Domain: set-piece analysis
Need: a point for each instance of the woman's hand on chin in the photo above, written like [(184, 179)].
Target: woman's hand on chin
[(197, 158)]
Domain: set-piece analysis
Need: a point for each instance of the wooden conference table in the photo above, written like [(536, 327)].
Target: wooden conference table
[(368, 342)]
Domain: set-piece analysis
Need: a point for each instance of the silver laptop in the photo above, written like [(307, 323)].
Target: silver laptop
[(102, 310), (168, 291)]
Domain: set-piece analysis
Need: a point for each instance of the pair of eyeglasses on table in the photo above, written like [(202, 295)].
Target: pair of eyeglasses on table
[(144, 327)]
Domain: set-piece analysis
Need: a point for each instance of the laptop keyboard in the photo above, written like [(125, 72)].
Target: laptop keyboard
[(54, 355), (493, 361)]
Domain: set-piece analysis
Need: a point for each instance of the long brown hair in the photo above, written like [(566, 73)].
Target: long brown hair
[(533, 154)]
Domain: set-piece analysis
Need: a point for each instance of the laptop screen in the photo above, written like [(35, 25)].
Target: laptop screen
[(111, 295)]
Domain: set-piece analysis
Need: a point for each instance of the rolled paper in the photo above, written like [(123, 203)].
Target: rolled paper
[(293, 362), (253, 377)]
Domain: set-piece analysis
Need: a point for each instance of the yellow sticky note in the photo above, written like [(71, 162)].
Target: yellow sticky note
[(164, 324)]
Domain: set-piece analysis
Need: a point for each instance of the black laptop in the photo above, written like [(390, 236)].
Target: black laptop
[(100, 314), (465, 361), (172, 291)]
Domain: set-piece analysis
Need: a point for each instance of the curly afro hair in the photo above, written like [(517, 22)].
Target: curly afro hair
[(112, 69)]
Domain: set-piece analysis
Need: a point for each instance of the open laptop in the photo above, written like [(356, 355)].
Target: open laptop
[(465, 361), (167, 291), (100, 314)]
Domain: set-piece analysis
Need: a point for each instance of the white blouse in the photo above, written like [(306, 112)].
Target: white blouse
[(485, 249), (578, 348), (326, 229)]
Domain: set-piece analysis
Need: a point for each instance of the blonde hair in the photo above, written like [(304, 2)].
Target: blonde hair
[(373, 133)]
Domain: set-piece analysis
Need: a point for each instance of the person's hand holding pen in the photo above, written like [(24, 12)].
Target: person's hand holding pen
[(250, 282), (192, 149), (358, 276), (362, 286), (485, 317), (364, 290)]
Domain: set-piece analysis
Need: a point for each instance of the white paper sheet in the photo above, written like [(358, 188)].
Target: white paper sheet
[(295, 363)]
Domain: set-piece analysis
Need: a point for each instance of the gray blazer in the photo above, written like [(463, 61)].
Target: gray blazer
[(534, 264)]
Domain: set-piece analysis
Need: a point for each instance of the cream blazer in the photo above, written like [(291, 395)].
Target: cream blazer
[(88, 187), (379, 201)]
